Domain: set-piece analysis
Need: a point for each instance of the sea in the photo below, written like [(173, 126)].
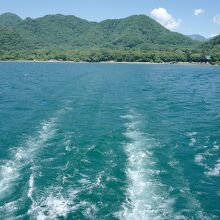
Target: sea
[(109, 141)]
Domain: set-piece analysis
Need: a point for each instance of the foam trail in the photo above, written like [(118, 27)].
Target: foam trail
[(31, 187), (145, 197), (22, 156), (10, 170), (53, 204)]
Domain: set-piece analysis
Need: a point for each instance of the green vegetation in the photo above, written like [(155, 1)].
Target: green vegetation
[(134, 39), (212, 47), (107, 54), (198, 37)]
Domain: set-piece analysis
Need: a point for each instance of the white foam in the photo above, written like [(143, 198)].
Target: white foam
[(146, 198), (192, 138), (193, 206), (193, 133), (84, 181), (211, 151), (98, 180), (215, 171), (68, 145), (174, 163), (199, 158), (8, 174), (128, 116), (31, 186), (68, 142), (90, 210), (216, 147), (57, 206), (7, 210), (192, 141), (22, 156), (53, 204)]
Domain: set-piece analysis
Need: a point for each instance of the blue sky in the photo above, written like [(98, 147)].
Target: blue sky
[(185, 16)]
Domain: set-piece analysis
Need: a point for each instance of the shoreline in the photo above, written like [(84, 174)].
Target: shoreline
[(109, 62)]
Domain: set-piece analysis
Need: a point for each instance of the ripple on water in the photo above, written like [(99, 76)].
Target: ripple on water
[(145, 198), (203, 159), (10, 170), (52, 204), (21, 163)]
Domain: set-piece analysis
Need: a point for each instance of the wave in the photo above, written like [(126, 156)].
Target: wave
[(58, 202), (205, 157), (31, 186), (192, 136), (215, 171), (199, 158), (21, 164), (53, 204), (192, 207), (146, 197), (10, 170)]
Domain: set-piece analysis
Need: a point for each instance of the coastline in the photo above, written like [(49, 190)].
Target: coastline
[(110, 62)]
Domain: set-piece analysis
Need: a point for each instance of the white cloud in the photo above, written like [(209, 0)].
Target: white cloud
[(198, 11), (216, 19), (166, 19)]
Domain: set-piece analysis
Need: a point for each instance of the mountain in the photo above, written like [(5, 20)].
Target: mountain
[(142, 32), (213, 43), (212, 48), (136, 38), (197, 37), (10, 39), (9, 20), (70, 32)]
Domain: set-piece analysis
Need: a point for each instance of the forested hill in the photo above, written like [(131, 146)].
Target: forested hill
[(137, 38), (212, 44), (70, 32), (198, 37)]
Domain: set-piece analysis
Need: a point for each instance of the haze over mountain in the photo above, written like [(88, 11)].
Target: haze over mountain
[(70, 32), (198, 37), (212, 44)]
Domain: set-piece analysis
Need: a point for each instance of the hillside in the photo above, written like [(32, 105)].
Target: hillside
[(136, 38), (143, 32), (198, 37), (212, 47), (9, 20), (11, 40), (213, 43), (70, 32)]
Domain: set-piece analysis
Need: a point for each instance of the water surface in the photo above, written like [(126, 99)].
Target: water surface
[(103, 141)]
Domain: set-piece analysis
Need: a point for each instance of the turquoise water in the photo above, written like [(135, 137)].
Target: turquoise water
[(100, 141)]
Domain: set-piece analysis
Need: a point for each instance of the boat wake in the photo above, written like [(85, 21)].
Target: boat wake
[(146, 197), (22, 156), (20, 167), (53, 203)]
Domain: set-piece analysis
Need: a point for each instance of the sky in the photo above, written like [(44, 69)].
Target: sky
[(184, 16)]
